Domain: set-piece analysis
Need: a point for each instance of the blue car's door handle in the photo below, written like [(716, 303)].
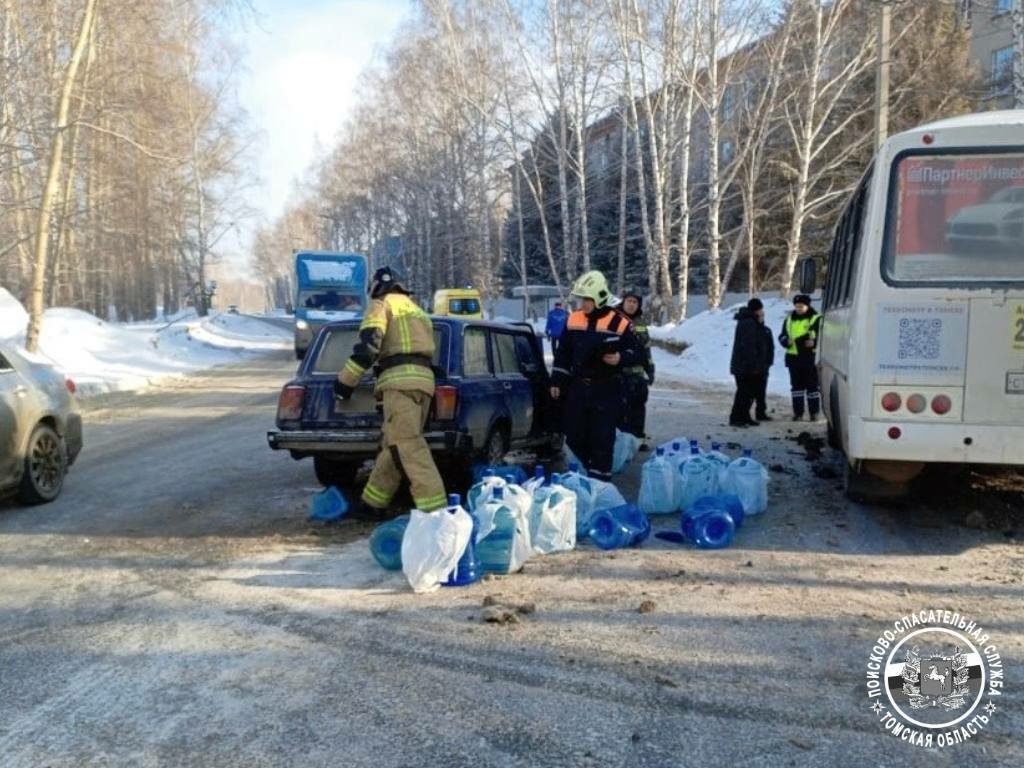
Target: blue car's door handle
[(507, 385)]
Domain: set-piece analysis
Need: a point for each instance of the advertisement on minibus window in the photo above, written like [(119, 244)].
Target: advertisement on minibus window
[(957, 218)]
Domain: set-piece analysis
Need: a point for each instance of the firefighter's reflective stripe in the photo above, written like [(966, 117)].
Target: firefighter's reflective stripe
[(352, 372), (375, 496), (393, 325), (610, 322)]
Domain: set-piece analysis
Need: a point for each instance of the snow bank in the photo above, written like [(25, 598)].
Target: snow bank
[(105, 357), (709, 336)]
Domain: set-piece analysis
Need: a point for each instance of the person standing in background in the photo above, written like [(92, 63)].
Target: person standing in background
[(747, 364), (767, 340), (640, 377), (555, 326), (587, 377), (800, 338)]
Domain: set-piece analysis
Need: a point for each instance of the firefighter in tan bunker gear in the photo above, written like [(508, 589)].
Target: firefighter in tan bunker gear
[(398, 337)]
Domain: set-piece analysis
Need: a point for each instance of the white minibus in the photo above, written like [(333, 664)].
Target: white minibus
[(921, 351)]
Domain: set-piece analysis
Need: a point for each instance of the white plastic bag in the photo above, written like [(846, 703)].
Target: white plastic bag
[(481, 494), (626, 446), (553, 520), (506, 546), (605, 496), (432, 545), (580, 485)]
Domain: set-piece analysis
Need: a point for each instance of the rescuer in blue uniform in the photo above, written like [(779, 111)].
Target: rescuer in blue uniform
[(587, 377)]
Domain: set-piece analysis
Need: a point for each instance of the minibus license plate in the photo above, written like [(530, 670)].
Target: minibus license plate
[(1015, 383)]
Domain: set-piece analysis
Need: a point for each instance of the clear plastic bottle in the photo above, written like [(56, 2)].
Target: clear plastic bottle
[(467, 570), (658, 485), (507, 546), (748, 480)]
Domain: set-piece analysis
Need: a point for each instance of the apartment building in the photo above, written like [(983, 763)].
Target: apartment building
[(991, 48)]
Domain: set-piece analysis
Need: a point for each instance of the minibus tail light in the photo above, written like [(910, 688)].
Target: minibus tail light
[(916, 403), (941, 405), (895, 433), (891, 402), (446, 401), (289, 404)]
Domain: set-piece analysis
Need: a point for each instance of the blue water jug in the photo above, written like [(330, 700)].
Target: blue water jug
[(328, 505), (748, 480), (618, 527), (467, 571), (708, 524), (386, 543), (504, 549)]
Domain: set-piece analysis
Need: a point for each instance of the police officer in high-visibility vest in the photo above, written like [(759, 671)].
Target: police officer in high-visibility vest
[(587, 377), (398, 337), (800, 338), (640, 377)]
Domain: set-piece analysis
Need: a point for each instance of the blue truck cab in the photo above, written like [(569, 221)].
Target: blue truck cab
[(491, 397), (328, 286)]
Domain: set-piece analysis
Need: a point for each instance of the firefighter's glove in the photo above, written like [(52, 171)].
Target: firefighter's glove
[(342, 391)]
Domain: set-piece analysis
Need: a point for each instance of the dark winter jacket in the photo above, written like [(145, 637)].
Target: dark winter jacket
[(587, 339), (749, 357), (800, 338), (768, 346), (645, 367)]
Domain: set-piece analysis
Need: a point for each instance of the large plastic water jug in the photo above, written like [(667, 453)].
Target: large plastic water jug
[(582, 486), (328, 505), (709, 526), (618, 527), (748, 480), (506, 546), (699, 477), (386, 543), (658, 485), (552, 519), (467, 571)]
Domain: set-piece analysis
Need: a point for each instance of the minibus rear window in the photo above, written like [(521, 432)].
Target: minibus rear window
[(955, 218)]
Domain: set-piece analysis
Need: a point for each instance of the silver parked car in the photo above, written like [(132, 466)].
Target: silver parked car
[(40, 428)]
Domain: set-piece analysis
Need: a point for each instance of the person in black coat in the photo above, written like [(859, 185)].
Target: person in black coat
[(768, 359), (748, 364)]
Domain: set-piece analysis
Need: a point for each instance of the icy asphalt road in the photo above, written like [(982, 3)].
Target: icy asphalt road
[(174, 608)]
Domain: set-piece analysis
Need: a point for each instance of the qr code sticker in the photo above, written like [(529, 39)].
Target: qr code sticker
[(920, 339)]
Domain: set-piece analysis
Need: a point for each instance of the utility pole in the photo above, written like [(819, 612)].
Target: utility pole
[(1018, 54), (882, 73)]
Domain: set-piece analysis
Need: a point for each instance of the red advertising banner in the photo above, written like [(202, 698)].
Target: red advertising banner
[(959, 204)]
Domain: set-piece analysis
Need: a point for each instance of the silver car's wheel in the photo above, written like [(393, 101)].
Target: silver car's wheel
[(46, 462)]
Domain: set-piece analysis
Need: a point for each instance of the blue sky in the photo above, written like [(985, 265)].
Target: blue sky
[(304, 58)]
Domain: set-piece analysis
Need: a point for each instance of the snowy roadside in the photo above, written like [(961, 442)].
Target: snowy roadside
[(102, 357), (709, 337)]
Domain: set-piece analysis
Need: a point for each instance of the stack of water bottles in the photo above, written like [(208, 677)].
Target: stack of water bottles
[(504, 524), (713, 492)]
